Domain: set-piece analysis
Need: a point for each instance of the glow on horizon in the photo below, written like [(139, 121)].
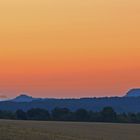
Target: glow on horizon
[(74, 48)]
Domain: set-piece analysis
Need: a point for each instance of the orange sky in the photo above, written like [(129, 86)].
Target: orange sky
[(69, 48)]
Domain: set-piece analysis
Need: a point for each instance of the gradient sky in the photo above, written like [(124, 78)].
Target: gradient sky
[(69, 48)]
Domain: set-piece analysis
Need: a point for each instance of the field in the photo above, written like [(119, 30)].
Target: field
[(31, 130)]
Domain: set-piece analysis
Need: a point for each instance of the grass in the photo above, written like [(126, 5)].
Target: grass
[(32, 130)]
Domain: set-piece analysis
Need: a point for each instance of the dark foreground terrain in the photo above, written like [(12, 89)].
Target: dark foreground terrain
[(30, 130)]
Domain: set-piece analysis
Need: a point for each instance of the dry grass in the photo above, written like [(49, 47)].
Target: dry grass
[(31, 130)]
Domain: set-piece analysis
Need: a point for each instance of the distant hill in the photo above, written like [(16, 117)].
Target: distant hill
[(133, 93), (120, 104), (23, 98)]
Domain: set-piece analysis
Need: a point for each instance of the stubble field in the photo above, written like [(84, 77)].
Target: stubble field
[(33, 130)]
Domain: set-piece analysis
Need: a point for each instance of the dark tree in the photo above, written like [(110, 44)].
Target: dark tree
[(132, 118), (138, 117), (21, 115), (38, 114), (81, 115), (95, 116), (108, 115), (7, 115), (122, 118), (62, 114)]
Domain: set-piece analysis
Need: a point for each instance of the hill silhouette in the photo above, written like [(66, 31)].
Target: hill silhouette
[(133, 93), (120, 104)]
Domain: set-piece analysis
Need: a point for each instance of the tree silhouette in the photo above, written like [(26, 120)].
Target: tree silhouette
[(38, 114), (81, 115), (21, 115), (108, 114)]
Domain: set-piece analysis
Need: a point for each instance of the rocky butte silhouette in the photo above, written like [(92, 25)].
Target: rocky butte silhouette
[(133, 93), (23, 98)]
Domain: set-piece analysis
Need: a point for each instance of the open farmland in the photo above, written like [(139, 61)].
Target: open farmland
[(33, 130)]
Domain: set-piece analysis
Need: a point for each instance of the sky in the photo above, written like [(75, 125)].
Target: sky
[(69, 48)]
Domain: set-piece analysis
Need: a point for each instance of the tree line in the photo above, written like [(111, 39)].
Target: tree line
[(64, 114)]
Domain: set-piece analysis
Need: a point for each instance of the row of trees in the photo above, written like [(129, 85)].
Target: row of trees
[(64, 114)]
